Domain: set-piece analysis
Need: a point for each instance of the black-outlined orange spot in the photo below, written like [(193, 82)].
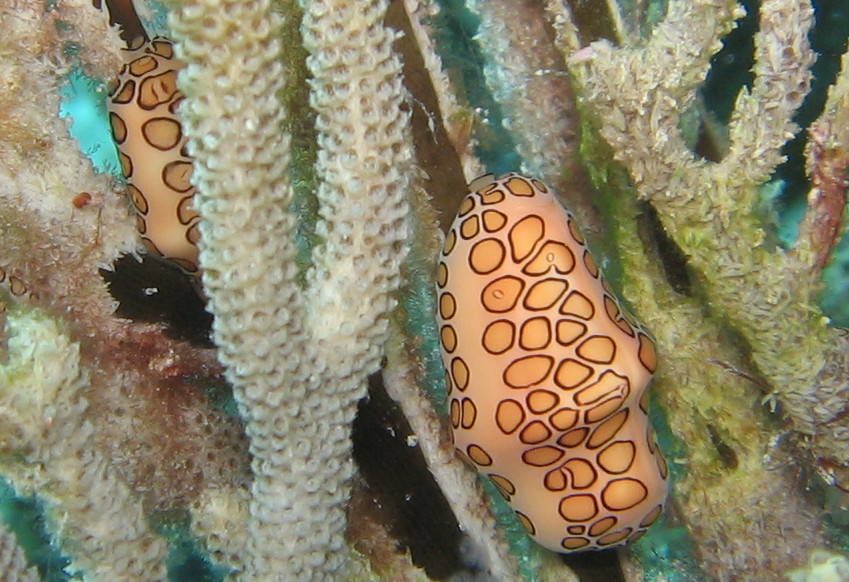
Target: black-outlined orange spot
[(608, 384), (178, 175), (527, 371), (539, 185), (578, 507), (447, 306), (552, 255), (541, 401), (651, 516), (125, 94), (568, 331), (448, 337), (602, 525), (185, 210), (581, 471), (564, 419), (163, 48), (126, 164), (577, 305), (469, 413), (574, 437), (519, 187), (607, 430), (478, 455), (647, 354), (498, 336), (534, 433), (450, 242), (142, 65), (493, 221), (441, 274), (535, 334), (624, 493), (598, 349), (555, 480), (524, 236), (158, 89), (544, 294), (502, 294), (119, 128), (617, 457), (486, 256), (590, 264), (604, 409), (455, 412), (574, 543), (460, 373), (491, 195), (509, 416), (571, 374), (614, 537), (470, 227), (542, 456), (574, 231), (466, 206)]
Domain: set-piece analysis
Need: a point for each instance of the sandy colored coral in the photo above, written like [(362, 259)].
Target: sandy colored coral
[(669, 175), (128, 444), (90, 508), (709, 209), (13, 562), (298, 407)]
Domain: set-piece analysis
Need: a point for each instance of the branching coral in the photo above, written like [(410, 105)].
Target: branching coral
[(13, 562), (87, 428), (298, 407), (710, 211), (43, 423)]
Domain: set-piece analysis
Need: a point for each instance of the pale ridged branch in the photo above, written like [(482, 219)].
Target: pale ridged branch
[(298, 360), (709, 208), (99, 521), (13, 562)]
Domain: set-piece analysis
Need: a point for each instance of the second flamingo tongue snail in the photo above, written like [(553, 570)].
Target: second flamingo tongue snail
[(152, 149), (547, 374)]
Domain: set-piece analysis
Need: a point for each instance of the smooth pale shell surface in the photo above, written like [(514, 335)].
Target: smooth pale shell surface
[(547, 376), (151, 148)]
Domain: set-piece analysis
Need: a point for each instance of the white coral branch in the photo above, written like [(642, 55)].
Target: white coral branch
[(96, 516), (298, 360), (13, 562)]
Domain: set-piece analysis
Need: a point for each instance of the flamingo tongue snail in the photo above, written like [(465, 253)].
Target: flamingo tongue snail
[(152, 150), (547, 374)]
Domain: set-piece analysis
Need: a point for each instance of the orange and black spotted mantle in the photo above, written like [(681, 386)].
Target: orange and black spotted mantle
[(547, 373), (152, 150)]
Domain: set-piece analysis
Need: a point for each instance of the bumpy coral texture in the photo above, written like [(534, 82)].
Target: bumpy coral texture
[(13, 562), (297, 386), (101, 524)]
